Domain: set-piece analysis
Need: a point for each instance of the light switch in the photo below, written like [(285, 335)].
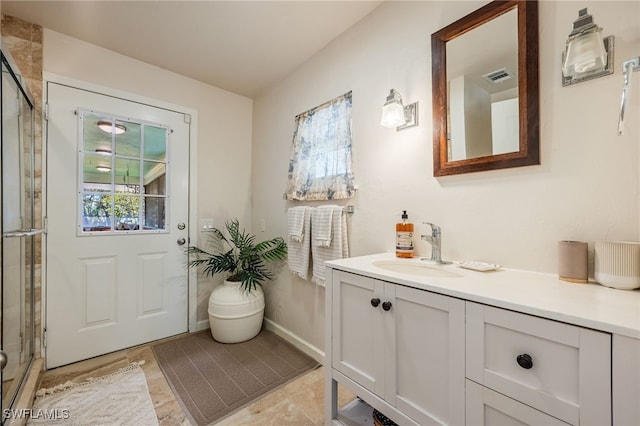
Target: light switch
[(206, 224)]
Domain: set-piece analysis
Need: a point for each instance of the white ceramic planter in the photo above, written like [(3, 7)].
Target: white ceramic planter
[(234, 314), (617, 264)]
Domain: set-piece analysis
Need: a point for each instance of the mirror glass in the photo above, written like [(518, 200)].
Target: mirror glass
[(485, 90)]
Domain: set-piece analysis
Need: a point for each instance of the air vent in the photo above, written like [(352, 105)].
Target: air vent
[(499, 76)]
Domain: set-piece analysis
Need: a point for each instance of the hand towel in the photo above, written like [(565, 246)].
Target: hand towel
[(338, 247), (295, 223), (322, 224), (299, 251)]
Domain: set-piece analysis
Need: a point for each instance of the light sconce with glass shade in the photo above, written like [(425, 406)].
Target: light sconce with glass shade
[(109, 127), (395, 114), (587, 55)]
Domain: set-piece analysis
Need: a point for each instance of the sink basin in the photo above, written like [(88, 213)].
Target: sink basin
[(415, 268)]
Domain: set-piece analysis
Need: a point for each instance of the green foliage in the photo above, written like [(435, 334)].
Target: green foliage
[(239, 255)]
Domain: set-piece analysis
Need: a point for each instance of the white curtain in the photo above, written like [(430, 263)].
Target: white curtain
[(320, 166)]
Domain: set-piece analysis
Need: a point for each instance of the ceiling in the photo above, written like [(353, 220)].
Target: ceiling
[(241, 46)]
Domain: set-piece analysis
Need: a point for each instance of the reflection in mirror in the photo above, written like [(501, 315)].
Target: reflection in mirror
[(483, 93), (485, 89)]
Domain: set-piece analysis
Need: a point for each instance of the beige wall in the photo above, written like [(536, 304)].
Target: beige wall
[(223, 126), (585, 189)]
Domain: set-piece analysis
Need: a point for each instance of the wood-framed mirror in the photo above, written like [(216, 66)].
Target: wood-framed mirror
[(485, 90)]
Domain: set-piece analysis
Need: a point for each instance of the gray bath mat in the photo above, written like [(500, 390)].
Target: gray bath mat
[(213, 380)]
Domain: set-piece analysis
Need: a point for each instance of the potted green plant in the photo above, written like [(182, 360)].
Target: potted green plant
[(236, 308)]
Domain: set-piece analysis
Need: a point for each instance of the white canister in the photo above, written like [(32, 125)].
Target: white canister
[(617, 264)]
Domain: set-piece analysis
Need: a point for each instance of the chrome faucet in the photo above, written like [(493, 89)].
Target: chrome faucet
[(436, 243)]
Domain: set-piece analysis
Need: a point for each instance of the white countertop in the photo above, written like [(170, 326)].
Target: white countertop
[(589, 305)]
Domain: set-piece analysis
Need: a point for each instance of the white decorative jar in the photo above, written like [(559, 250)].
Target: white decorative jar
[(617, 264), (235, 315)]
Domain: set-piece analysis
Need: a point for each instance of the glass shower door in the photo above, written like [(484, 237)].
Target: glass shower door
[(18, 236)]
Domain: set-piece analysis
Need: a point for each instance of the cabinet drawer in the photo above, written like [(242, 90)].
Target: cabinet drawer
[(488, 408), (559, 369)]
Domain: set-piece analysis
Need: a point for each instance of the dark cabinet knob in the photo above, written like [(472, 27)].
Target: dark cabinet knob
[(525, 361), (386, 306), (375, 302)]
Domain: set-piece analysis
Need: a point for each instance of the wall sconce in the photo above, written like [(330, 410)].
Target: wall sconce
[(587, 55), (395, 114), (108, 127)]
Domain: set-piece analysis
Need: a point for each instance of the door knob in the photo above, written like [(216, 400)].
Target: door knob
[(181, 241), (3, 359), (181, 226)]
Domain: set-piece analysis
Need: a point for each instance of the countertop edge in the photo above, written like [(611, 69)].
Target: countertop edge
[(623, 320)]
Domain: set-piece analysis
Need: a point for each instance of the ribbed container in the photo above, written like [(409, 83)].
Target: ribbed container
[(617, 264), (234, 314)]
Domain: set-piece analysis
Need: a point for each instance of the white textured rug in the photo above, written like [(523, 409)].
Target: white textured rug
[(120, 398)]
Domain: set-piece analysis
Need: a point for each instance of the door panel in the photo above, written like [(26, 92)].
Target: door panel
[(116, 276)]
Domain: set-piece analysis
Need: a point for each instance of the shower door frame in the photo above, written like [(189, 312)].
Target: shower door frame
[(30, 233)]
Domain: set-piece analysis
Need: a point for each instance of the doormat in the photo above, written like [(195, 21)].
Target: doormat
[(120, 398), (212, 380)]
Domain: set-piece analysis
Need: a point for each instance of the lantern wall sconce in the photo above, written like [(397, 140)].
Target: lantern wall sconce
[(395, 114), (587, 55)]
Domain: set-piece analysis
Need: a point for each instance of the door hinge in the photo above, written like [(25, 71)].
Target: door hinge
[(44, 338), (187, 118), (45, 111)]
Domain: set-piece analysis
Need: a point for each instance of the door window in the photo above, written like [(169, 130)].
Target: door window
[(123, 182)]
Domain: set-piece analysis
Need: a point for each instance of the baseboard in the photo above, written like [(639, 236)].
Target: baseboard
[(296, 341), (201, 325)]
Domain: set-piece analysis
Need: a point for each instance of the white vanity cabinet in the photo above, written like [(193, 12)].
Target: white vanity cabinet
[(562, 370), (466, 347), (402, 346)]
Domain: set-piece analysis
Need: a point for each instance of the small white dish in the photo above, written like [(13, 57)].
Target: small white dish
[(478, 266)]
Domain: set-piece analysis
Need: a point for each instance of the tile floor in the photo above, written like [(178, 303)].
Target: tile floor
[(299, 403)]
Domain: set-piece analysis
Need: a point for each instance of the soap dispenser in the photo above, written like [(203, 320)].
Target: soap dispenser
[(404, 237)]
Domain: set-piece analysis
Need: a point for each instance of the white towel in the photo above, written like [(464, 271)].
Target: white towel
[(338, 247), (295, 223), (299, 251), (322, 224)]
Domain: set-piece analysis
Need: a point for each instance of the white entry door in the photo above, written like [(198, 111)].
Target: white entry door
[(117, 209)]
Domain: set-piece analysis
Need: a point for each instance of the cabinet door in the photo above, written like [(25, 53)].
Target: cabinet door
[(626, 381), (357, 329), (560, 369), (486, 407), (425, 355)]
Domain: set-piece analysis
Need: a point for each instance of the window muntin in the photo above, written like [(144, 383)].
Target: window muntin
[(123, 185)]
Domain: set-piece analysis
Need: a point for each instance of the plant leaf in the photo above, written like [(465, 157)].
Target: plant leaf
[(243, 260)]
